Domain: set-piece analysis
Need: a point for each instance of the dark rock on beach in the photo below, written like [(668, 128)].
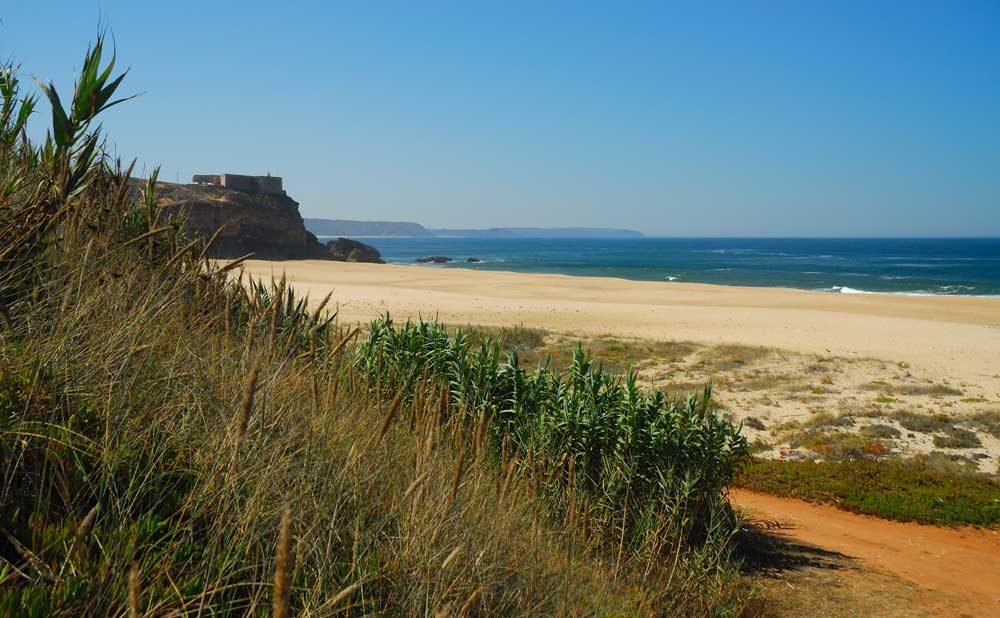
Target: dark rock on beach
[(347, 250)]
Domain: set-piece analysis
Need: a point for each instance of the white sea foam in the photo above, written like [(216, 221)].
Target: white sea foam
[(948, 290)]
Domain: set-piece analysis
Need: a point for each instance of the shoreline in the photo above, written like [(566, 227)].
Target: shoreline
[(461, 264)]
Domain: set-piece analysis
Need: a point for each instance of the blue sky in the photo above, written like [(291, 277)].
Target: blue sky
[(744, 119)]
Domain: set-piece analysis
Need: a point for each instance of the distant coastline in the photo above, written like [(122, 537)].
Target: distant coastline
[(405, 229)]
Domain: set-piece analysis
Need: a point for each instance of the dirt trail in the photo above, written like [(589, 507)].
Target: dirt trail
[(959, 562)]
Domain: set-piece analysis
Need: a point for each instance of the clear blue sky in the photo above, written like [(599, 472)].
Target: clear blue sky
[(749, 119)]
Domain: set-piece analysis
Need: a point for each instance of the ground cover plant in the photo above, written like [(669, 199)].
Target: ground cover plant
[(175, 440), (900, 490)]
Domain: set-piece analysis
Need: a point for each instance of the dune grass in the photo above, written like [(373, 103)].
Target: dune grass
[(175, 440)]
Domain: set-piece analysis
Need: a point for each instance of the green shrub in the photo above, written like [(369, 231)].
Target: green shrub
[(901, 490), (923, 423), (988, 421), (880, 431), (957, 437), (631, 451)]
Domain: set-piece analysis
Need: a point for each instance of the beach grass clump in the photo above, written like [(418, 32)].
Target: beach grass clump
[(904, 490), (616, 355), (880, 431), (958, 437), (931, 389), (886, 399), (973, 400), (176, 440), (728, 357), (641, 461), (988, 421), (923, 423), (840, 445), (521, 339)]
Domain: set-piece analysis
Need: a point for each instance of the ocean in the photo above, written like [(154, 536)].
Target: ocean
[(850, 266)]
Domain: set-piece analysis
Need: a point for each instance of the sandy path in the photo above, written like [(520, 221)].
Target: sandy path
[(955, 338), (957, 561)]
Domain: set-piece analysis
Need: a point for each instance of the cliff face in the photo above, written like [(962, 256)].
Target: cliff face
[(269, 226)]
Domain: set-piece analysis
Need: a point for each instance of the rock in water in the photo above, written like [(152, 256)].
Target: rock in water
[(473, 260), (433, 259), (347, 250)]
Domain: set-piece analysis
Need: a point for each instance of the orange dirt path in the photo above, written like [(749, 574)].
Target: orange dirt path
[(957, 561)]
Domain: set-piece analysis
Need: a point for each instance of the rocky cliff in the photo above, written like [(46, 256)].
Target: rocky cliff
[(269, 226)]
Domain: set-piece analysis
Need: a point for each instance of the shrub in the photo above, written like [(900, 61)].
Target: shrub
[(988, 421), (881, 431), (957, 437), (635, 454), (923, 423)]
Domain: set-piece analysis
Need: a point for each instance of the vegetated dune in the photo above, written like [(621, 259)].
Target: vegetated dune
[(173, 442)]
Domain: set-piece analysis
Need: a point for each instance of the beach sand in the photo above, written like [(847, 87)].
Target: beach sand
[(865, 356), (957, 337)]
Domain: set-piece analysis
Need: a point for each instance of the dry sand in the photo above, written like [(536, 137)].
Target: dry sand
[(956, 339)]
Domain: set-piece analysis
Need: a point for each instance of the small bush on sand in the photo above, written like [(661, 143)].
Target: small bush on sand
[(957, 437), (923, 423), (880, 431)]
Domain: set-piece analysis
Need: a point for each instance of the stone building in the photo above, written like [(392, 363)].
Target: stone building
[(251, 184)]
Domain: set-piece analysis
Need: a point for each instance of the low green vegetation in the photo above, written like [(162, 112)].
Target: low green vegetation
[(923, 423), (957, 437), (614, 355), (900, 490), (880, 431), (988, 421), (886, 399), (931, 389)]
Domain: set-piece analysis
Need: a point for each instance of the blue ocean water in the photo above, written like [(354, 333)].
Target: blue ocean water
[(900, 266)]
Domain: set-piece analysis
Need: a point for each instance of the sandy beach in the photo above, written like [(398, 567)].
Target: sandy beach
[(957, 338), (810, 374)]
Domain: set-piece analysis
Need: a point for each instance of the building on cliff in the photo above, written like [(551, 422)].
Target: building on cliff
[(251, 184)]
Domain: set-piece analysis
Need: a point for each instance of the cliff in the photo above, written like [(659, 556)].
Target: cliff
[(267, 225)]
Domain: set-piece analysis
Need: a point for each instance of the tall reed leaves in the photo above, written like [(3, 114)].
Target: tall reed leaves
[(629, 450)]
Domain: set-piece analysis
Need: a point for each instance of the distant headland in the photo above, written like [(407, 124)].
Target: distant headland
[(346, 227)]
